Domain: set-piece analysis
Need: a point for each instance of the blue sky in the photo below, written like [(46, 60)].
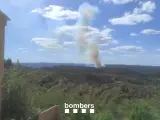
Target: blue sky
[(126, 31)]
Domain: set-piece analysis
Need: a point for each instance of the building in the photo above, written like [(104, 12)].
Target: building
[(3, 23)]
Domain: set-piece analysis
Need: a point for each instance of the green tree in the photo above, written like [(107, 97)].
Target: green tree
[(16, 103), (8, 63), (17, 62), (142, 112)]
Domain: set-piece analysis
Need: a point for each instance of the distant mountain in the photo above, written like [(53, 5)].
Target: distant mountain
[(138, 68), (41, 65), (119, 69)]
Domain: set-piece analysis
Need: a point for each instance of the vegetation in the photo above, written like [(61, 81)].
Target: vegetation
[(16, 103), (8, 63), (118, 94)]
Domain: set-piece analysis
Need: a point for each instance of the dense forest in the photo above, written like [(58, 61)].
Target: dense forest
[(118, 93)]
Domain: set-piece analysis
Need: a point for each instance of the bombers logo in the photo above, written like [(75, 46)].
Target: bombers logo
[(78, 108)]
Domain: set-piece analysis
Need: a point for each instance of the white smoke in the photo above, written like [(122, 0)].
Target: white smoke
[(88, 13)]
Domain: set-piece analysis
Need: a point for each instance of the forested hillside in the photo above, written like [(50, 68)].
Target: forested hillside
[(118, 93)]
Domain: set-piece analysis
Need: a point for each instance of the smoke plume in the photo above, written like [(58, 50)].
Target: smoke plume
[(88, 13)]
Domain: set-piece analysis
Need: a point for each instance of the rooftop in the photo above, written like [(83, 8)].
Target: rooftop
[(1, 13)]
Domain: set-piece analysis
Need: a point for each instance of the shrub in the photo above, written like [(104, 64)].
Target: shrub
[(105, 116), (141, 112), (15, 102), (80, 116)]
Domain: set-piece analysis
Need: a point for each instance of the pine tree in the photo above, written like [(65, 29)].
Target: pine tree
[(17, 62), (8, 63)]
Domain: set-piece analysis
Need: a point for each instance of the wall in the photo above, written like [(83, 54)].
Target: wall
[(52, 113), (2, 28), (3, 21)]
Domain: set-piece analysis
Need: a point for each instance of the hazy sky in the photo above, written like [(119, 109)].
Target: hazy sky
[(127, 31)]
